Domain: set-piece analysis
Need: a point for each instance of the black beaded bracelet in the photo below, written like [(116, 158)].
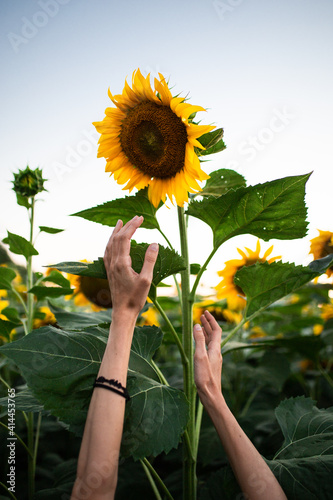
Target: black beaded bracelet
[(113, 386)]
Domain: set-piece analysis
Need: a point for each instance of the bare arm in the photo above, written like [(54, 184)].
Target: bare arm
[(98, 459), (253, 474)]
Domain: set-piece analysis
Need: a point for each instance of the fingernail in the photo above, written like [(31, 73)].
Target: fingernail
[(154, 247), (197, 327), (119, 221)]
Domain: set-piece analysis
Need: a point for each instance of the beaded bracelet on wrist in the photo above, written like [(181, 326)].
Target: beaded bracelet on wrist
[(113, 385)]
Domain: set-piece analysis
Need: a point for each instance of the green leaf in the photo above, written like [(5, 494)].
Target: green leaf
[(60, 368), (19, 245), (125, 209), (12, 314), (168, 262), (50, 230), (6, 327), (156, 417), (304, 464), (319, 266), (265, 283), (80, 320), (6, 277), (275, 209), (221, 181), (41, 292), (212, 141), (23, 201), (94, 269), (57, 278), (25, 401), (195, 268)]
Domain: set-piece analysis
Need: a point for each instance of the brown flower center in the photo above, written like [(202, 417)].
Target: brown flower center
[(154, 140)]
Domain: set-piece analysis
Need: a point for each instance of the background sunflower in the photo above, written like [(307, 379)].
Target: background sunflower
[(227, 289), (322, 245)]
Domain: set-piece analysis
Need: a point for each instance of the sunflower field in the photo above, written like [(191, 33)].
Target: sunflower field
[(276, 317)]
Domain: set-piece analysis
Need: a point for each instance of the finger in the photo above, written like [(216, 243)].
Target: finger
[(118, 226), (122, 240), (206, 326), (215, 327), (200, 342), (149, 262)]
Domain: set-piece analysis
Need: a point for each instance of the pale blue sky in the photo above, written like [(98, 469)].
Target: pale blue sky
[(262, 69)]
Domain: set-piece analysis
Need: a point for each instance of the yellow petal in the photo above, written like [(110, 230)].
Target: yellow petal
[(198, 130), (163, 90)]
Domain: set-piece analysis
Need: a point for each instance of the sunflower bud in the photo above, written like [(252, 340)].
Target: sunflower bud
[(28, 182)]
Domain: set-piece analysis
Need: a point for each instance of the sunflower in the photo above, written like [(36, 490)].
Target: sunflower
[(47, 319), (220, 313), (89, 291), (149, 317), (327, 311), (321, 246), (148, 139), (227, 288)]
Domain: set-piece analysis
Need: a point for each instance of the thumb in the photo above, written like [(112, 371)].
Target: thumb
[(149, 262), (199, 337)]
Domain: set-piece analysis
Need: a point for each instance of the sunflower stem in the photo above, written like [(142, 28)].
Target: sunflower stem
[(32, 440), (173, 331), (200, 273), (189, 459), (30, 297)]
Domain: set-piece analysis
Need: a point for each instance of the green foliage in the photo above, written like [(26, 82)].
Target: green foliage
[(19, 245), (43, 292), (212, 142), (221, 181), (6, 277), (60, 367), (304, 464), (125, 209), (274, 209), (50, 230), (95, 269), (80, 320), (265, 283), (168, 263)]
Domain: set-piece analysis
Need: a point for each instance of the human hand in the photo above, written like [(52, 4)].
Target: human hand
[(207, 362), (129, 289)]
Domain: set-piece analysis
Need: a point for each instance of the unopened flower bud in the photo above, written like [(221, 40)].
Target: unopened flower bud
[(28, 182)]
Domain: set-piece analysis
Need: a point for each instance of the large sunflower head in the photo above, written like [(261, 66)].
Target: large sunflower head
[(321, 246), (88, 291), (148, 139), (227, 289)]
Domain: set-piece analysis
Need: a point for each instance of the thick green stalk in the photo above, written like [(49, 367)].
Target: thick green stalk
[(32, 442), (30, 297), (189, 465)]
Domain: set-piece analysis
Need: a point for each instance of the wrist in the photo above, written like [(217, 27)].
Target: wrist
[(211, 398), (124, 316)]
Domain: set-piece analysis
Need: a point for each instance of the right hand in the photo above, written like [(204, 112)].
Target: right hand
[(207, 362), (129, 289)]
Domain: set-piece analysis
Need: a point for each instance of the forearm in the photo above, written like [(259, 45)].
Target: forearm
[(98, 459), (253, 474)]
